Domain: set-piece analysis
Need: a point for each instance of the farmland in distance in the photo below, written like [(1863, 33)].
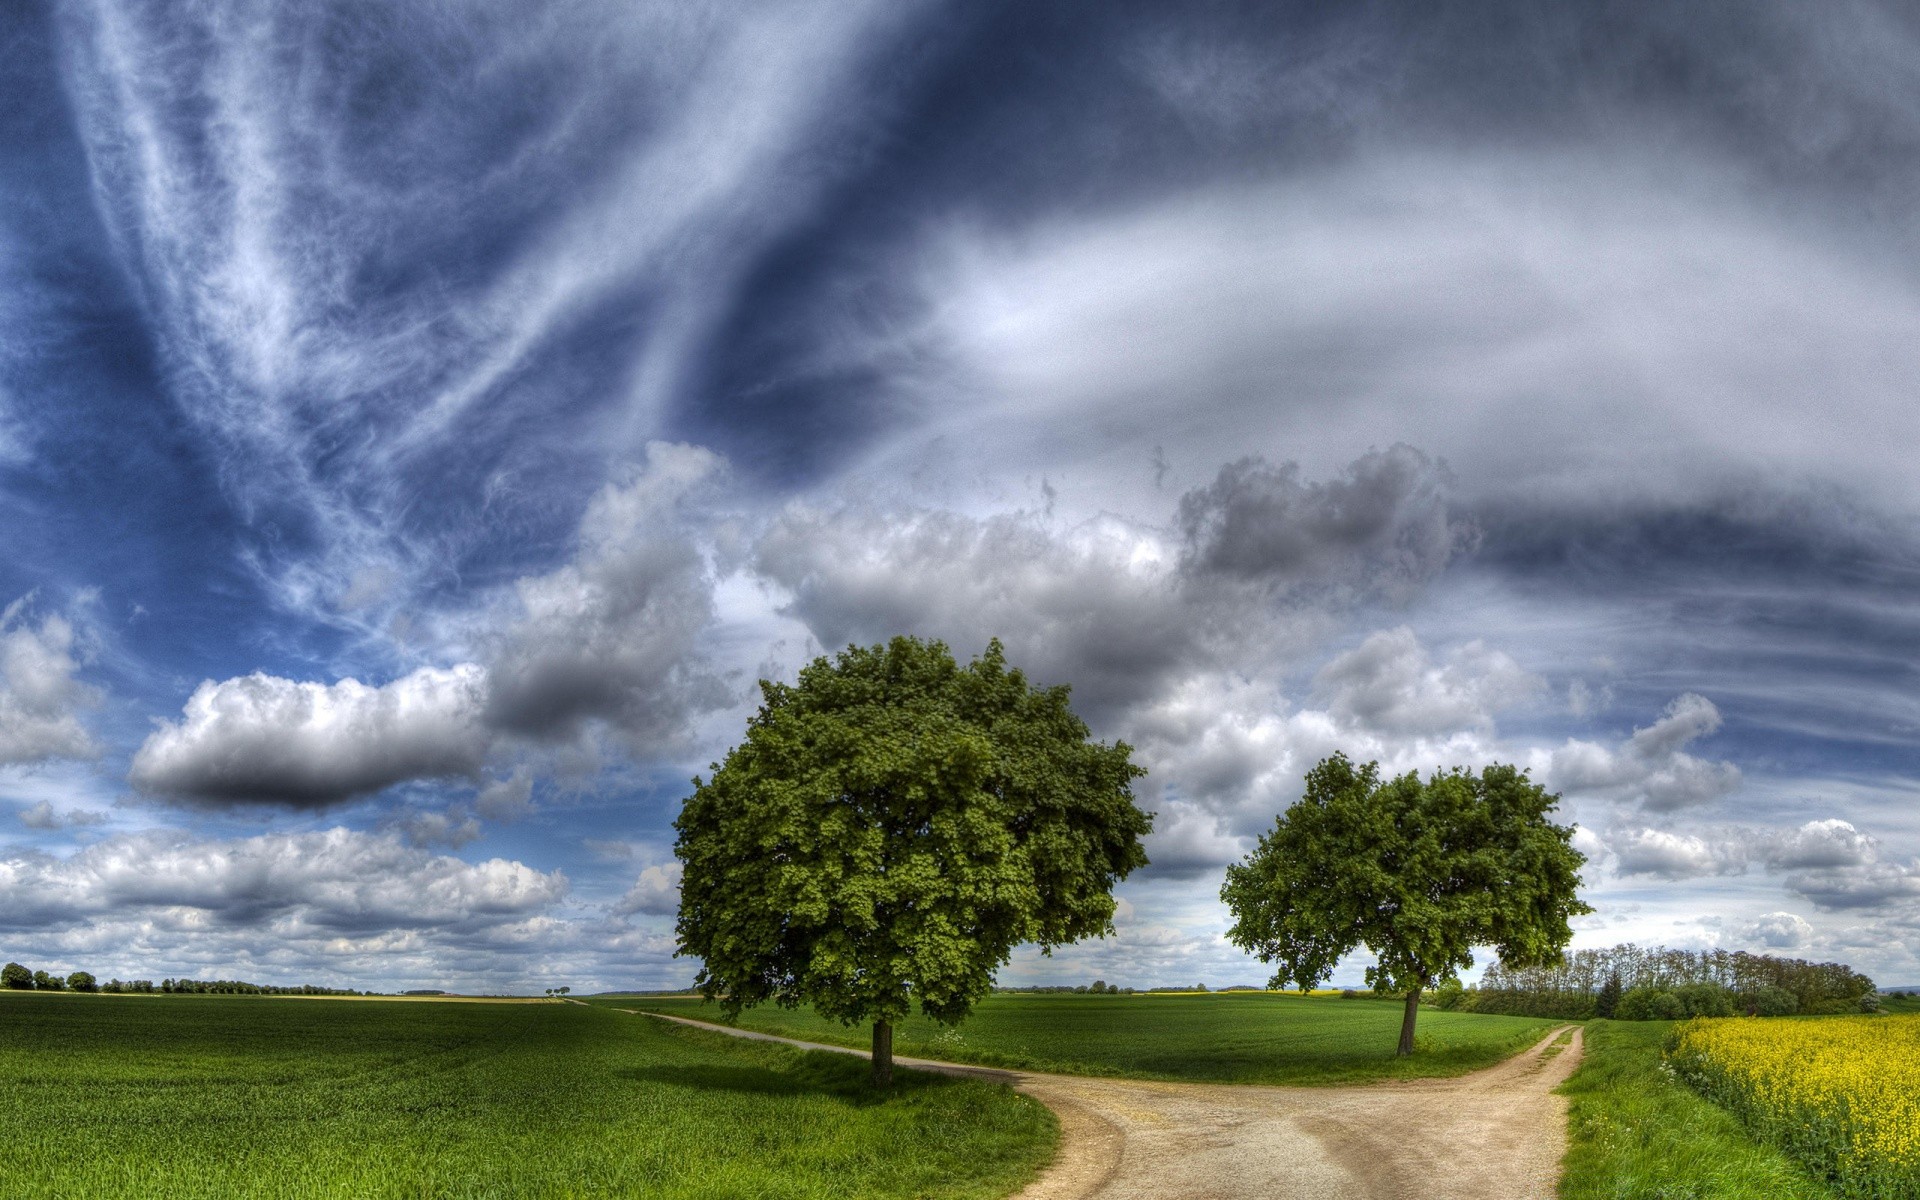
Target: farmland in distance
[(205, 1096), (1222, 1037)]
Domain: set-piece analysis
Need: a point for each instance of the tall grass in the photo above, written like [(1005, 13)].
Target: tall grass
[(1636, 1132), (1233, 1037), (104, 1096)]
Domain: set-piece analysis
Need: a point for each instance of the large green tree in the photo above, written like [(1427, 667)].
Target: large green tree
[(1419, 872), (890, 828)]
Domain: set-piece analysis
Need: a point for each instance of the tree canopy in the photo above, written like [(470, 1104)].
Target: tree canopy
[(891, 827), (1418, 872)]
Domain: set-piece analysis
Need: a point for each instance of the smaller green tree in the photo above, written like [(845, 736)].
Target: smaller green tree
[(1607, 1003), (15, 976), (45, 982), (890, 828), (1417, 872), (82, 981)]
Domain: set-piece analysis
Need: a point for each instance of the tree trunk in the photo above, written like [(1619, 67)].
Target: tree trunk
[(882, 1055), (1406, 1023)]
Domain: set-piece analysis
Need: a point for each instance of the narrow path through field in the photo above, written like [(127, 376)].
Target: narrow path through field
[(1496, 1134)]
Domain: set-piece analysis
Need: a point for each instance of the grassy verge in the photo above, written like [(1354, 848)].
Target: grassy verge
[(105, 1096), (1221, 1037), (1637, 1133)]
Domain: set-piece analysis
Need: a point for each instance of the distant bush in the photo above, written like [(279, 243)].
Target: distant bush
[(1769, 1002), (1650, 1004)]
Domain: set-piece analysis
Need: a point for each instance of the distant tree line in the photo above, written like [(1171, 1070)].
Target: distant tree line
[(1634, 983), (19, 978)]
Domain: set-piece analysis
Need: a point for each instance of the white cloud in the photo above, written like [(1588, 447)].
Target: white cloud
[(40, 694), (1097, 605), (45, 816), (1780, 931), (506, 799), (1675, 855), (1651, 768), (263, 739), (656, 892), (302, 886), (613, 634), (1390, 685)]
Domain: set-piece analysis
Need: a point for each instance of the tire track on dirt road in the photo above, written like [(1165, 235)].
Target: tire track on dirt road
[(1496, 1134)]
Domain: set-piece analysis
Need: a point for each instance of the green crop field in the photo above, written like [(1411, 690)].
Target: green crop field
[(204, 1096), (1229, 1037), (1637, 1131)]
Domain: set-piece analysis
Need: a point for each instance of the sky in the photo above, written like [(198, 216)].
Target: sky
[(421, 426)]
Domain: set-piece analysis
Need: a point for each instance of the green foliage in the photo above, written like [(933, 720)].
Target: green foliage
[(1419, 873), (1648, 1003), (891, 827), (1816, 987), (1771, 1002), (1225, 1037), (15, 976), (1636, 1133), (82, 981), (47, 983), (1607, 1003), (209, 1097)]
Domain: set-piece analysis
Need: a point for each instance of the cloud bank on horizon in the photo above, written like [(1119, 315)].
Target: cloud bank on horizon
[(418, 431)]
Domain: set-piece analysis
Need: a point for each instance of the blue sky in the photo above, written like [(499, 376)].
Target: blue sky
[(420, 428)]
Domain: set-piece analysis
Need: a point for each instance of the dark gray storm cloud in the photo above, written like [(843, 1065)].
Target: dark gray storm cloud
[(1381, 526)]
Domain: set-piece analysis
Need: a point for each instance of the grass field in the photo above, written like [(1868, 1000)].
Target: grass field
[(203, 1096), (1229, 1037), (1638, 1133)]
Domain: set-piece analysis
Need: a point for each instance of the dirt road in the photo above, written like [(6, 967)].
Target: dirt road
[(1497, 1134)]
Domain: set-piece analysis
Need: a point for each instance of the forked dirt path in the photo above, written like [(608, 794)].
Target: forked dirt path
[(1497, 1134)]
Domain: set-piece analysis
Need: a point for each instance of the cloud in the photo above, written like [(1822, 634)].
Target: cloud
[(1097, 605), (1827, 862), (656, 892), (263, 739), (452, 827), (297, 886), (40, 694), (1380, 526), (1780, 931), (1253, 570), (44, 816), (1675, 855), (1651, 768), (506, 799), (613, 634), (1389, 684)]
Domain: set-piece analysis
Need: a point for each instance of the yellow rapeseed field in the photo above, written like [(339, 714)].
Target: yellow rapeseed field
[(1840, 1093)]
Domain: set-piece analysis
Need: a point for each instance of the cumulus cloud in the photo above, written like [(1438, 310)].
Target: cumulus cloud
[(1097, 605), (315, 885), (46, 817), (40, 693), (452, 827), (1780, 931), (1390, 684), (1651, 768), (264, 739), (1382, 525), (1668, 855), (506, 799), (1828, 862), (609, 636), (656, 892), (612, 635), (1254, 568)]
